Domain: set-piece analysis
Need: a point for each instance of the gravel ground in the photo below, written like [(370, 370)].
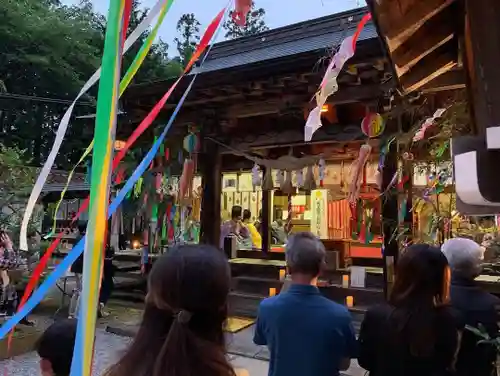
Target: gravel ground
[(108, 348)]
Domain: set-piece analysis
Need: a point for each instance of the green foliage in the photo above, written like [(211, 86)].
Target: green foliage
[(16, 180), (254, 24), (189, 29), (49, 50)]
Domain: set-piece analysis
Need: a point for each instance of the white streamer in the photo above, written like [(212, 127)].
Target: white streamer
[(63, 126)]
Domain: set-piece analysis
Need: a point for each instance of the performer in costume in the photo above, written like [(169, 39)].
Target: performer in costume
[(254, 233)]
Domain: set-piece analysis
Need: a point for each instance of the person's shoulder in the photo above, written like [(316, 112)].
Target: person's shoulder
[(271, 302), (448, 315)]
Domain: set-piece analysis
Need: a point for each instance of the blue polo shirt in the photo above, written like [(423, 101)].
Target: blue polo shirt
[(306, 333)]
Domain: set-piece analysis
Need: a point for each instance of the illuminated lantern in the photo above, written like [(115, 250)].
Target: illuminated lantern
[(373, 125)]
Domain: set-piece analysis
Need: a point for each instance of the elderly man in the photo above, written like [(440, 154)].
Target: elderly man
[(307, 334), (476, 306)]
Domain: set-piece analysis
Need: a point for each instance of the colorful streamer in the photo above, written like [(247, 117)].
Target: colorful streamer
[(105, 128), (132, 70), (209, 34), (77, 250), (329, 83), (63, 126)]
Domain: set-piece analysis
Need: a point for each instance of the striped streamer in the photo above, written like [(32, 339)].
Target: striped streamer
[(210, 32), (105, 126), (63, 126), (132, 70), (77, 250)]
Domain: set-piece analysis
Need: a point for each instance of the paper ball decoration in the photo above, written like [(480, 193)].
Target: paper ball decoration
[(373, 125), (191, 143)]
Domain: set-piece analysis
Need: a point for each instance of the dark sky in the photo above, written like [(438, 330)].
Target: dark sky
[(278, 12)]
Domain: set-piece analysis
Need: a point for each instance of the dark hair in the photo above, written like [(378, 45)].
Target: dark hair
[(421, 287), (181, 333), (236, 211), (305, 254), (56, 346), (247, 214)]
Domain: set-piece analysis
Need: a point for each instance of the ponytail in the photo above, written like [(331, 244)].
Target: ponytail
[(185, 353)]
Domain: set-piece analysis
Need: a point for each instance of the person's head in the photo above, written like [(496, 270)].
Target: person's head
[(247, 215), (236, 213), (82, 228), (55, 348), (305, 257), (422, 284), (464, 256), (422, 274), (181, 332)]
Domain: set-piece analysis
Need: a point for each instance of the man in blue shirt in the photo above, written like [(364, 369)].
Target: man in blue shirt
[(307, 334)]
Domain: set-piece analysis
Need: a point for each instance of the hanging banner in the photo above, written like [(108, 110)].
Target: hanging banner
[(319, 213)]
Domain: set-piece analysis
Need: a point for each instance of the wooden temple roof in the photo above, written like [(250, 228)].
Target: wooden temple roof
[(288, 41), (423, 41), (267, 80)]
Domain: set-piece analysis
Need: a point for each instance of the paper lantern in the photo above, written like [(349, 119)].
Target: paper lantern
[(373, 125), (191, 143)]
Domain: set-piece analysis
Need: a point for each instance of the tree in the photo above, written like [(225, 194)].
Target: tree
[(157, 65), (189, 29), (254, 24), (48, 51), (16, 180)]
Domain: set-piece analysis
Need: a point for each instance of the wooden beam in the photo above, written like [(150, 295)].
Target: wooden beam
[(452, 80), (399, 27), (432, 35), (483, 59), (428, 69)]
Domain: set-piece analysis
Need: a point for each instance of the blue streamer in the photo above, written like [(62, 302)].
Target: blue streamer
[(77, 250)]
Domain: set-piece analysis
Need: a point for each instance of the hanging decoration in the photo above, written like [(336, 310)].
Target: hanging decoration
[(357, 173), (310, 182), (162, 6), (429, 122), (287, 187), (105, 127), (186, 178), (300, 178), (208, 35), (329, 84), (256, 179), (321, 171), (241, 10), (268, 184), (280, 178), (288, 225), (373, 125)]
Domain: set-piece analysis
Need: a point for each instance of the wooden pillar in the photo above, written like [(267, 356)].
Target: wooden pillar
[(482, 45), (389, 218), (265, 228), (210, 168)]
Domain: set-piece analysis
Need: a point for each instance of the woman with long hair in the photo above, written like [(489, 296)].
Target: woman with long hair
[(416, 332), (181, 333)]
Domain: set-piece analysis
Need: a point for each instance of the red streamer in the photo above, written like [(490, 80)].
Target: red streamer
[(207, 37)]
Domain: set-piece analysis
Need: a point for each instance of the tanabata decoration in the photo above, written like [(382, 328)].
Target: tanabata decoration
[(280, 178), (373, 125), (35, 297), (241, 9), (310, 182), (429, 122), (357, 173), (287, 187), (268, 184), (105, 127), (256, 179), (186, 178), (321, 171), (300, 178), (161, 7), (329, 83), (207, 36)]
